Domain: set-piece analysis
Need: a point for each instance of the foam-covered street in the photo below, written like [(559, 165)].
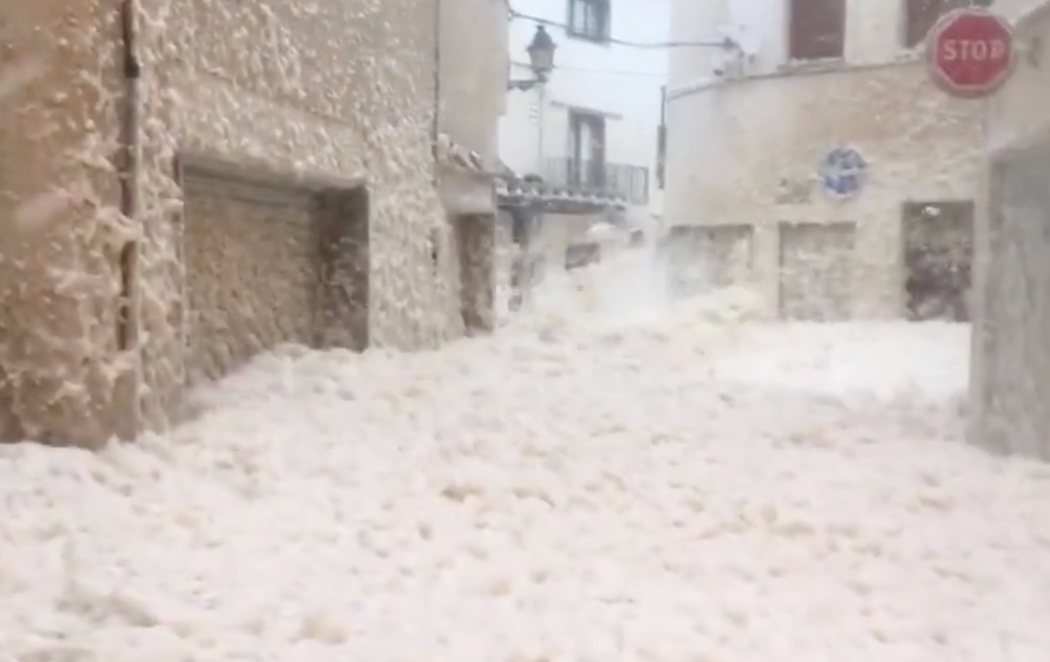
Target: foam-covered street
[(681, 485)]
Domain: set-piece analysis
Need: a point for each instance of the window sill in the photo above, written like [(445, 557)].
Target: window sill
[(910, 55), (811, 66), (599, 40)]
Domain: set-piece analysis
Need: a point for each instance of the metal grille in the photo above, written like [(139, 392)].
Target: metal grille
[(598, 177)]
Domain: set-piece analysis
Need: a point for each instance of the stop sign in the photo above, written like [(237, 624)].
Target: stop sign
[(970, 52)]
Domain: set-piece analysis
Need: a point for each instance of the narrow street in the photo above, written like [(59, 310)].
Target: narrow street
[(681, 487), (525, 331)]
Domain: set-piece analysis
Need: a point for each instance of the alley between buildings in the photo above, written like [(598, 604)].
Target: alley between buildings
[(680, 484)]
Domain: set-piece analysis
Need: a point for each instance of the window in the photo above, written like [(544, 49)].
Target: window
[(661, 156), (920, 15), (818, 29), (661, 142), (581, 255), (589, 19), (587, 161)]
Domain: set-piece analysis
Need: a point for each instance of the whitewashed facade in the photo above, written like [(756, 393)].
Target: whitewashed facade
[(602, 102)]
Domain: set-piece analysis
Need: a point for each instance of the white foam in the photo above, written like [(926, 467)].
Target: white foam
[(675, 487)]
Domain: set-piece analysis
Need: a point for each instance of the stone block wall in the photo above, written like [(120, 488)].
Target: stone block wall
[(300, 91)]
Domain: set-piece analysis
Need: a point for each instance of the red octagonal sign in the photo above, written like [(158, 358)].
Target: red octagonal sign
[(970, 52)]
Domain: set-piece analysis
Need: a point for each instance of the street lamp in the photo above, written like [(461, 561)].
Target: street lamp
[(541, 59)]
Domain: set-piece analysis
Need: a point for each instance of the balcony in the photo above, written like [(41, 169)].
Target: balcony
[(599, 178)]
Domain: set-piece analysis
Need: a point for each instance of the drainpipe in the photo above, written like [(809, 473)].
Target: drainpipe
[(541, 119), (129, 318), (436, 127)]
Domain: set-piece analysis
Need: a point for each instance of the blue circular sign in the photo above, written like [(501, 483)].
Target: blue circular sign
[(842, 172)]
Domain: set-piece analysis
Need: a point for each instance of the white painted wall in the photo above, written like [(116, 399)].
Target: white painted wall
[(618, 80), (474, 61), (474, 64)]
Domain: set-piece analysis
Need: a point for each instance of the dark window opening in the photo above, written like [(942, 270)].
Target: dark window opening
[(818, 29), (661, 142), (582, 255), (661, 157), (589, 19), (587, 162), (938, 260), (920, 16), (475, 240)]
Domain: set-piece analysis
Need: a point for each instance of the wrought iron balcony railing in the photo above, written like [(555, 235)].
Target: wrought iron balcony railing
[(598, 177)]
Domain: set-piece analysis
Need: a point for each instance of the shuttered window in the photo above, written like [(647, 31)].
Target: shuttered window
[(920, 15), (589, 19), (818, 29)]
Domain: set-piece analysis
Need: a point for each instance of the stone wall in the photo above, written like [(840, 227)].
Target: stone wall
[(1010, 385), (749, 152), (302, 91), (62, 370)]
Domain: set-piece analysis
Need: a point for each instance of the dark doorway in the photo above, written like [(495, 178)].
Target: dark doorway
[(579, 256), (476, 246), (342, 218), (270, 259), (587, 164), (938, 260)]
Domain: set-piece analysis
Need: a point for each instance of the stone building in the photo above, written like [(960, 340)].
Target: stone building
[(1010, 385), (473, 84), (811, 157), (187, 184)]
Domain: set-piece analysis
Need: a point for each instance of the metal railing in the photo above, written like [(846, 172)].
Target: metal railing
[(627, 181)]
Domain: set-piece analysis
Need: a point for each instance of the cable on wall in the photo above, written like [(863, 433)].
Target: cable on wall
[(726, 43)]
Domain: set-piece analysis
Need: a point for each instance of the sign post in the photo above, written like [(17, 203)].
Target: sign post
[(970, 53)]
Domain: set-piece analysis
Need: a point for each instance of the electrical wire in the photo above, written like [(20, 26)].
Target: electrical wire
[(724, 43), (611, 72)]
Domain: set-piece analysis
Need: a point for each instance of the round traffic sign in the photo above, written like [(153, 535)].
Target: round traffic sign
[(970, 52), (842, 172)]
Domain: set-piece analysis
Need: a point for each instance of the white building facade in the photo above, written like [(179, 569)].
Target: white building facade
[(472, 93), (593, 127), (814, 159)]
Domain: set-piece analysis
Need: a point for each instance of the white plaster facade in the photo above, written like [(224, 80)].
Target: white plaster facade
[(474, 65), (1010, 385), (746, 143), (472, 88), (622, 83)]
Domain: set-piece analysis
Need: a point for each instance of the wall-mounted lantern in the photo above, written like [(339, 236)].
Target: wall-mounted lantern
[(541, 59)]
